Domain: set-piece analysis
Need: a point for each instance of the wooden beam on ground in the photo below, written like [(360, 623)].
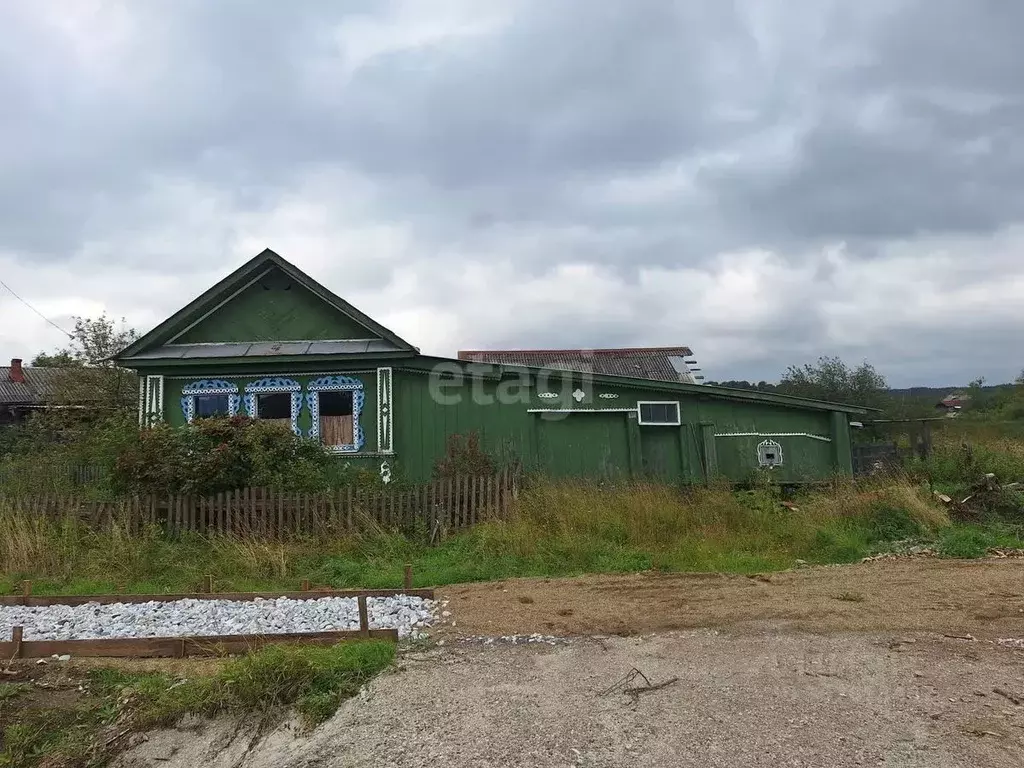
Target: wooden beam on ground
[(41, 601), (178, 647)]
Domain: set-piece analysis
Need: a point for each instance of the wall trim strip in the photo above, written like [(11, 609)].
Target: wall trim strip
[(822, 438)]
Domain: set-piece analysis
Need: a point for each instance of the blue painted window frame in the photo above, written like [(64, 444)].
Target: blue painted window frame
[(191, 391), (338, 384), (274, 385)]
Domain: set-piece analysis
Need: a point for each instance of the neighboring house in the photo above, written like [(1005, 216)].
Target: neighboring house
[(24, 389), (953, 403), (655, 363), (270, 342)]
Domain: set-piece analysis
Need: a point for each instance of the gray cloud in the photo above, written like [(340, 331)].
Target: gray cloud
[(532, 173)]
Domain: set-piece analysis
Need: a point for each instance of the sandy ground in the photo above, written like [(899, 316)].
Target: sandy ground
[(921, 594), (756, 698), (821, 667)]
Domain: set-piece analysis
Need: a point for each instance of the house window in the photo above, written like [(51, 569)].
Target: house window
[(273, 406), (335, 404), (659, 413), (210, 406), (209, 398), (275, 399), (336, 425)]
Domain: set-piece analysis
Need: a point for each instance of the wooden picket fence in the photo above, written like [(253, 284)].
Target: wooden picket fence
[(435, 509)]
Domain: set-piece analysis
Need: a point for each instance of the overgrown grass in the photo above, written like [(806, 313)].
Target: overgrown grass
[(315, 680), (312, 680), (957, 461), (556, 529)]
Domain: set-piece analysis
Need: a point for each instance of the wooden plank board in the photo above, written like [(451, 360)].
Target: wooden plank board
[(313, 594), (176, 647)]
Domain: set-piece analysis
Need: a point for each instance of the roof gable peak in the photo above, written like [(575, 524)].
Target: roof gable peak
[(238, 287)]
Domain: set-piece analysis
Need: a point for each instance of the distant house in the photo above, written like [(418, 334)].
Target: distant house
[(24, 389), (270, 342), (654, 363), (953, 403)]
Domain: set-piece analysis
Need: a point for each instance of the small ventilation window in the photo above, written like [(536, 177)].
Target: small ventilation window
[(658, 413), (769, 454)]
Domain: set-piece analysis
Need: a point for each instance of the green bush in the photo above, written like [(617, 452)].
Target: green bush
[(890, 522), (964, 542), (222, 454)]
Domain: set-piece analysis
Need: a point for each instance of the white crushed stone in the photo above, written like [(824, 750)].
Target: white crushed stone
[(515, 639), (184, 618)]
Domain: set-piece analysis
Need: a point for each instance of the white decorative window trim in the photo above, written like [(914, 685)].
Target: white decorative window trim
[(142, 401), (640, 420), (385, 411), (154, 399), (269, 386), (608, 396), (337, 384), (822, 438), (189, 392), (769, 454)]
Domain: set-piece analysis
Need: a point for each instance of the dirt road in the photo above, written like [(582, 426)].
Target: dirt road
[(985, 597), (823, 667)]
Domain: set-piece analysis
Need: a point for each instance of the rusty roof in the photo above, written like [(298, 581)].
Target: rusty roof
[(38, 385), (655, 363)]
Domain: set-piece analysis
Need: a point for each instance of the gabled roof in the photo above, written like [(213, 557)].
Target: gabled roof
[(38, 386), (158, 343), (655, 363)]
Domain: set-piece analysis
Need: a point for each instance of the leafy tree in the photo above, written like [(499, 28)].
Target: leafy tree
[(833, 380), (62, 359), (88, 375)]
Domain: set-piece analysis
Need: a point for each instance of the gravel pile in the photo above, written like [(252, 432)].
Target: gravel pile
[(409, 615)]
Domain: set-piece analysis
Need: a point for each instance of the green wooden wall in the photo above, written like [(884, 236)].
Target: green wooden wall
[(597, 437), (274, 308), (594, 434)]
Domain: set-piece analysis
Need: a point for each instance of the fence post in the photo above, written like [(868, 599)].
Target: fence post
[(16, 634), (364, 616), (407, 576)]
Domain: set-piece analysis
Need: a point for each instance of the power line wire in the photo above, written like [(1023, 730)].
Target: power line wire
[(11, 291)]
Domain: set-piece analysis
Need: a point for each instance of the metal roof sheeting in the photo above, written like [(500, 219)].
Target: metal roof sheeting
[(38, 385), (268, 349), (655, 363)]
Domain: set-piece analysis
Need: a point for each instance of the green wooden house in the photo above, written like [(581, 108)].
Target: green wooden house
[(270, 342)]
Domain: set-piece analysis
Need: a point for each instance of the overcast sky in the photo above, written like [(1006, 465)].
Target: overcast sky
[(764, 181)]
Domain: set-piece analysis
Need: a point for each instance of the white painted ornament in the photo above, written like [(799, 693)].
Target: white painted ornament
[(578, 395)]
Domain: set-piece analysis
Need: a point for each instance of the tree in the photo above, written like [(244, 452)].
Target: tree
[(833, 380), (63, 359), (88, 376)]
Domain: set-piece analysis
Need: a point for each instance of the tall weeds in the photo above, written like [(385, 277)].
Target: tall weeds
[(555, 528)]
